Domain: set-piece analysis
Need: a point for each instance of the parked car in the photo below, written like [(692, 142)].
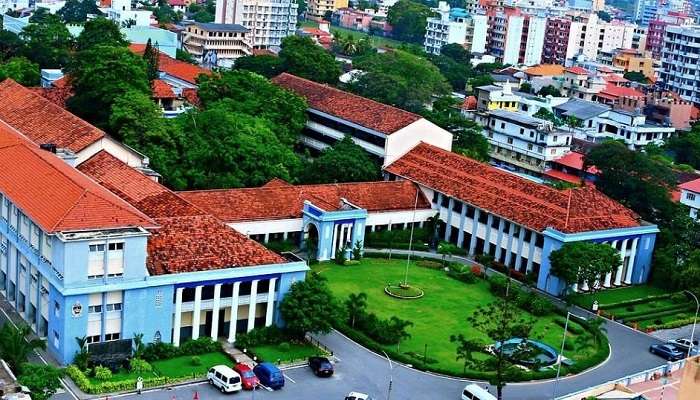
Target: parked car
[(224, 378), (684, 344), (357, 396), (269, 375), (321, 366), (248, 378), (667, 351), (476, 392)]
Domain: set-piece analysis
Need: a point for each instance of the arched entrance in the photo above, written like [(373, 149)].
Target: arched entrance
[(310, 241)]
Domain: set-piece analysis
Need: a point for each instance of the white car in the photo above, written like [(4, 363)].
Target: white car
[(225, 379), (357, 396), (476, 392), (684, 344)]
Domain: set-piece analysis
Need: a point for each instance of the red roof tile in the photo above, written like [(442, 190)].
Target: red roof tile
[(562, 176), (55, 195), (162, 90), (519, 200), (189, 239), (42, 121), (56, 95), (191, 96), (575, 161), (693, 186), (350, 107), (577, 70), (276, 200), (179, 69), (613, 91)]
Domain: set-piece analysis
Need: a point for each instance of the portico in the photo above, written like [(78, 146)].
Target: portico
[(332, 228)]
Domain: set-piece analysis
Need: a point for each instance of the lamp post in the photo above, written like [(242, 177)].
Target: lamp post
[(695, 321), (410, 240), (561, 356), (391, 377)]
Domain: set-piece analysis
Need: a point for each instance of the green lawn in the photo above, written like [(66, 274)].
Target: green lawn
[(273, 353), (616, 295), (440, 313), (377, 41)]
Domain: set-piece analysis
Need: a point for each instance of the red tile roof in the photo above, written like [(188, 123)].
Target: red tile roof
[(577, 70), (162, 90), (56, 196), (179, 69), (56, 95), (350, 107), (613, 91), (693, 186), (562, 176), (280, 200), (575, 161), (519, 200), (189, 239), (614, 78), (43, 121)]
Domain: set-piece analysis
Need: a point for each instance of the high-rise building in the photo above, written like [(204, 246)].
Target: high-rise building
[(216, 45), (657, 29), (269, 21), (455, 25), (588, 35), (679, 68), (516, 37)]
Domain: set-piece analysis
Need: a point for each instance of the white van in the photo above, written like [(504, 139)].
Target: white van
[(224, 378), (476, 392)]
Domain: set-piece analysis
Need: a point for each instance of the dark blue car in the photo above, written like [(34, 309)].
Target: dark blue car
[(269, 375), (667, 351)]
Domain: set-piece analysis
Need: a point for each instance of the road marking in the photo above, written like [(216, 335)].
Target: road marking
[(265, 387), (292, 380)]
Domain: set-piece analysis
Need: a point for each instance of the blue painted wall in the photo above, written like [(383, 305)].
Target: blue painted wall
[(142, 313), (285, 282)]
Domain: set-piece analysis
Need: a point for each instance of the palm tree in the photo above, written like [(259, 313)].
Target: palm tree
[(138, 345), (598, 327), (356, 305), (15, 348)]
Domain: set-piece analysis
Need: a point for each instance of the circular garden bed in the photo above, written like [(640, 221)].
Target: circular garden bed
[(402, 291)]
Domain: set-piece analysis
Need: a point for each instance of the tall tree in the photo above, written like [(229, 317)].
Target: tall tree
[(399, 78), (100, 75), (584, 261), (685, 148), (467, 134), (48, 42), (356, 304), (265, 65), (457, 53), (43, 381), (343, 162), (15, 348), (152, 57), (100, 32), (309, 306), (408, 19), (302, 57), (635, 180), (21, 70), (457, 74), (76, 11), (11, 45)]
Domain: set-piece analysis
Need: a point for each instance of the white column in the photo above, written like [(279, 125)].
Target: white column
[(251, 304), (608, 278), (584, 286), (270, 302), (234, 313), (574, 287), (196, 312), (618, 273), (215, 312), (178, 316), (630, 264), (335, 240)]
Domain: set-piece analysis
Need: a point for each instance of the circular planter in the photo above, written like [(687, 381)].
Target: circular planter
[(402, 291)]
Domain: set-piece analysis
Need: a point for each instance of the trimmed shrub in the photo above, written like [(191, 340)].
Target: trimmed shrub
[(498, 285), (673, 324), (633, 302), (102, 373), (539, 306), (679, 298), (139, 366), (647, 314), (196, 361), (429, 264), (160, 351), (284, 346), (261, 336), (202, 345), (109, 387)]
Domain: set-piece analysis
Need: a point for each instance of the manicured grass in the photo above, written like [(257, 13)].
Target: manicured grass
[(377, 41), (441, 312), (180, 366), (616, 295), (273, 353), (122, 375)]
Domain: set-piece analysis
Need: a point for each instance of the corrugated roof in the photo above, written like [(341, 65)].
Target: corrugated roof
[(581, 109)]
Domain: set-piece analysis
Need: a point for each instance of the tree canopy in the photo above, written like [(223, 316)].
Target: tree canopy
[(11, 45), (399, 78), (343, 162), (100, 32), (467, 137), (309, 306), (549, 90), (48, 42), (302, 57), (265, 65), (21, 70), (43, 381), (76, 11), (686, 147), (584, 261), (408, 19)]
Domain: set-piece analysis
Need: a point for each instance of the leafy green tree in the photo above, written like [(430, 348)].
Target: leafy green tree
[(11, 45), (685, 148), (301, 10), (526, 87), (183, 55), (585, 261), (15, 348), (39, 16), (265, 65), (302, 57), (356, 305), (408, 19), (100, 32), (254, 95), (479, 80), (21, 70), (76, 11), (231, 149), (343, 162), (636, 77), (48, 42), (466, 350), (573, 121), (203, 16), (635, 180), (545, 114), (100, 75), (42, 380), (549, 90), (351, 46), (152, 57), (467, 137), (165, 14), (309, 306), (457, 53), (399, 78), (457, 74)]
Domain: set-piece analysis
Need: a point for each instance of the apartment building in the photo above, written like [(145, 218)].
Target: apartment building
[(516, 37), (679, 62), (268, 21), (556, 40), (317, 9), (121, 12), (455, 25), (11, 5), (217, 45), (590, 35), (631, 60), (657, 30)]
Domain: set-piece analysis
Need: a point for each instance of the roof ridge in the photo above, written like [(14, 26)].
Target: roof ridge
[(75, 204), (568, 209), (292, 186)]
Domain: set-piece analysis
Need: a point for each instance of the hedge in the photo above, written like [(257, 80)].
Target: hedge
[(673, 324), (86, 386), (635, 301), (653, 315), (418, 246), (646, 313)]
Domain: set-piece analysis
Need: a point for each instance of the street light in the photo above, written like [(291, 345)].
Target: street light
[(695, 321), (391, 377), (561, 355)]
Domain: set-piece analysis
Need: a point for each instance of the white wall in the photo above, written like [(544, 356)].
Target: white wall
[(116, 149), (267, 226), (535, 40), (398, 217), (513, 38), (480, 23), (403, 140)]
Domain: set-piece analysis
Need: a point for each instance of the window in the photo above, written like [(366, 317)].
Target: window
[(690, 196), (114, 301), (92, 339), (510, 140), (503, 125), (96, 267), (112, 336), (96, 309), (56, 339), (56, 309), (115, 262)]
